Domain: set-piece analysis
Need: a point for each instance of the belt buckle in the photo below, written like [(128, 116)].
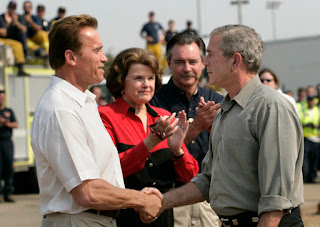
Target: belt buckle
[(255, 219), (235, 222), (223, 220)]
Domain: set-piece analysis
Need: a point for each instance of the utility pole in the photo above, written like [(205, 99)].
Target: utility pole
[(273, 6), (199, 17), (239, 3)]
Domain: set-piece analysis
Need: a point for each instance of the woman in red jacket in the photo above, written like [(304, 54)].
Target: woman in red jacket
[(149, 139)]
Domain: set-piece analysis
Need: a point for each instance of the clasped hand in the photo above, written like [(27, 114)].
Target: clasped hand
[(152, 208)]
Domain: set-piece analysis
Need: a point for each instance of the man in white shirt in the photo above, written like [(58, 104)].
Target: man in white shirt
[(78, 167)]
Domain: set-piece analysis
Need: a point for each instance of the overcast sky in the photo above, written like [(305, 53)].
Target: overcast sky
[(120, 21)]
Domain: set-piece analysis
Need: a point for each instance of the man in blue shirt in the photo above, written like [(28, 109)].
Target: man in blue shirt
[(153, 33), (37, 39), (7, 123), (185, 54)]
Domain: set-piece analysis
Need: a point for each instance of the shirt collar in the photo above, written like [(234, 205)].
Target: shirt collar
[(125, 108), (176, 90), (72, 91), (246, 92)]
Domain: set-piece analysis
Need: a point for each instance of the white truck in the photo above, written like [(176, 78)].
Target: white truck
[(296, 61), (22, 95)]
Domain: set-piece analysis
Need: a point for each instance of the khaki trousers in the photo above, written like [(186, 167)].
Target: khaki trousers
[(156, 49), (196, 215), (80, 220), (17, 49), (40, 39)]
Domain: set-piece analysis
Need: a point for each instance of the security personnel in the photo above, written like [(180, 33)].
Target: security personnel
[(310, 119), (7, 123)]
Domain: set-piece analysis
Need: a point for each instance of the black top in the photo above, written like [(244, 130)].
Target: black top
[(173, 99), (6, 132), (169, 35)]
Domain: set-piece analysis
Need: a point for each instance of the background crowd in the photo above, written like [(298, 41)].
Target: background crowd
[(27, 34)]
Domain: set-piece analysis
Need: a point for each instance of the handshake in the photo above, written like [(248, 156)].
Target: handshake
[(152, 207)]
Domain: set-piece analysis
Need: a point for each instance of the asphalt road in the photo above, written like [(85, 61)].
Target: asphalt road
[(26, 210)]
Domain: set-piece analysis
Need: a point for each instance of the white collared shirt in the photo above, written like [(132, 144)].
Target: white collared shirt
[(71, 145)]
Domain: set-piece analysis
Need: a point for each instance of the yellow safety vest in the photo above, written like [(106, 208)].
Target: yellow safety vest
[(306, 118)]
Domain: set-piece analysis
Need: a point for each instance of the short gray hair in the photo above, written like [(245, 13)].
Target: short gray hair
[(243, 40)]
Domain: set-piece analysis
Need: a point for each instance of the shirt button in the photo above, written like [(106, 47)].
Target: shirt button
[(216, 178), (150, 164), (147, 159), (224, 117), (192, 141), (220, 138), (154, 183), (215, 198), (190, 109)]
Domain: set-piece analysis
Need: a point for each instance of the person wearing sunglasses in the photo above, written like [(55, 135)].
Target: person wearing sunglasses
[(269, 78)]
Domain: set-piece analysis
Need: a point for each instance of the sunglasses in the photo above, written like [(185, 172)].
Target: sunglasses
[(268, 80)]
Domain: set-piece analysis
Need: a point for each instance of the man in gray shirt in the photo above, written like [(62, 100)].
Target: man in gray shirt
[(252, 173)]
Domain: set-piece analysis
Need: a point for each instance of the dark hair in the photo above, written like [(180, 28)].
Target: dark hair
[(185, 39), (119, 68), (275, 77), (64, 35), (25, 2), (301, 89)]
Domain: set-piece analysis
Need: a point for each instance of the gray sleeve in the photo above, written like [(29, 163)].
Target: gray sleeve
[(279, 134), (202, 180)]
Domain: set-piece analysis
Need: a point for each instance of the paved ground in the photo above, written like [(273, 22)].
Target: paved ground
[(26, 211)]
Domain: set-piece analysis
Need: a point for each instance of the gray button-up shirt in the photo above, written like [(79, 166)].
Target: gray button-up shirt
[(255, 156)]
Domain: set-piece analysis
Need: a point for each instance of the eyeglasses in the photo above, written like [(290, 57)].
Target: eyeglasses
[(268, 80)]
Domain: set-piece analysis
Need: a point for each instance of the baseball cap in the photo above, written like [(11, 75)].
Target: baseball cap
[(41, 7), (12, 5), (310, 97), (61, 9)]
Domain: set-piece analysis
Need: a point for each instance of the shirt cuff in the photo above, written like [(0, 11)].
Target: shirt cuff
[(203, 185), (270, 203)]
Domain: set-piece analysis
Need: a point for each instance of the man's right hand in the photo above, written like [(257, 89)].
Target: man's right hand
[(205, 115), (151, 210)]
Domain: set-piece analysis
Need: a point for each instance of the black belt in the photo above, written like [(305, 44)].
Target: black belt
[(243, 219), (107, 213)]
